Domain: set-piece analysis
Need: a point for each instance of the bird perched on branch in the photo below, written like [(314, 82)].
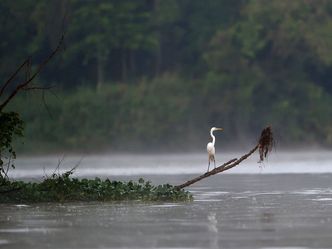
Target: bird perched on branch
[(210, 147)]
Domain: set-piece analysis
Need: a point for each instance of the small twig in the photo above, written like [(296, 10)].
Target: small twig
[(54, 94), (8, 166), (37, 88), (5, 171), (57, 168), (70, 172), (77, 164), (45, 175)]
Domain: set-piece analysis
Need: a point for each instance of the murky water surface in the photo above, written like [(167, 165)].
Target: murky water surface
[(251, 210)]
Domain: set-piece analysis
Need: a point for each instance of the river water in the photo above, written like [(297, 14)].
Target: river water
[(284, 203)]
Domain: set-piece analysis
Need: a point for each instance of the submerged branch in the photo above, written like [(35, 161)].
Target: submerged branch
[(265, 145)]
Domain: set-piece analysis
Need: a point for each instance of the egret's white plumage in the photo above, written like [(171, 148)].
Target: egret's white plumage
[(210, 147)]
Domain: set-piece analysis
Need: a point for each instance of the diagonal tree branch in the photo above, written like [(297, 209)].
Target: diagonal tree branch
[(11, 78), (29, 79), (264, 146)]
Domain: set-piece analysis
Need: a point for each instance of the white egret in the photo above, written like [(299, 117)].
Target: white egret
[(210, 147)]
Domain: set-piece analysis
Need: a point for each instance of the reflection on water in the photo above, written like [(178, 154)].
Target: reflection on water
[(213, 230), (229, 211)]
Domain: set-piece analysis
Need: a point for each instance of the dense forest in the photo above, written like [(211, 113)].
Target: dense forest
[(152, 74)]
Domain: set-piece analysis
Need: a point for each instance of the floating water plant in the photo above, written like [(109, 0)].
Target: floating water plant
[(63, 188)]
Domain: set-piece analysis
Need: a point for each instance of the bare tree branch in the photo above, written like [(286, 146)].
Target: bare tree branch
[(27, 81), (11, 78), (265, 145), (37, 88)]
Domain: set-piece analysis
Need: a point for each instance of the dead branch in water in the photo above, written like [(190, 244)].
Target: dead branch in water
[(264, 146)]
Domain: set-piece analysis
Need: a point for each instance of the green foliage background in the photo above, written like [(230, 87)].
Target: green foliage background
[(139, 75)]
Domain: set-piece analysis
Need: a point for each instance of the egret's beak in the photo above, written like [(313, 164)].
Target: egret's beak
[(219, 129)]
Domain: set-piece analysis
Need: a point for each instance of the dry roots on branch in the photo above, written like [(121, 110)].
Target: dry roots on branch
[(265, 143)]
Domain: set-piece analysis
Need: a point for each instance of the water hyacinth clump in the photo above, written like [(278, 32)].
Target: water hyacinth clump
[(63, 188)]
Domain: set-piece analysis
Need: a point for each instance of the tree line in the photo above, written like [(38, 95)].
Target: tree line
[(140, 73)]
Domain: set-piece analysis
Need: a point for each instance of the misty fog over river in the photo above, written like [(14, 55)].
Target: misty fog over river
[(110, 165), (283, 203)]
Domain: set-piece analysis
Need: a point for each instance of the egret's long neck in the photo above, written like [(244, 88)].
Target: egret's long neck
[(213, 137)]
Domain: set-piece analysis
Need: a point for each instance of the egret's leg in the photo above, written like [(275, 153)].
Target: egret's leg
[(214, 160), (208, 165)]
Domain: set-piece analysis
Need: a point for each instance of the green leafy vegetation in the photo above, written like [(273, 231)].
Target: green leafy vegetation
[(10, 126), (63, 188)]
